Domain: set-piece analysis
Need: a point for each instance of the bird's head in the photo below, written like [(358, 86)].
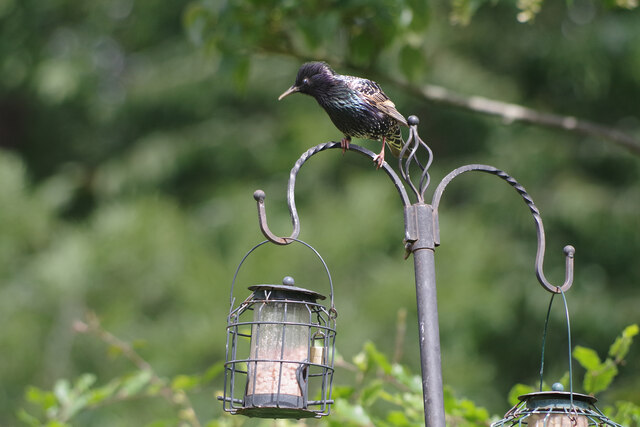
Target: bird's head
[(313, 78)]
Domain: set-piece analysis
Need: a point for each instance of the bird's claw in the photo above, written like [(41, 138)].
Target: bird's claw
[(344, 144), (378, 160)]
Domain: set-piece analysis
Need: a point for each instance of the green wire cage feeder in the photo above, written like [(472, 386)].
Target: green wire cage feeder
[(555, 408)]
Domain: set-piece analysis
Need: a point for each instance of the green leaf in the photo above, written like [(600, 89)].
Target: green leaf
[(342, 392), (62, 390), (621, 345), (588, 358), (28, 419), (463, 10), (398, 418), (518, 390), (598, 380), (165, 423), (100, 394), (626, 413), (44, 399), (213, 372), (371, 392), (379, 359), (471, 412), (361, 361), (420, 15), (134, 383), (185, 382), (241, 72), (83, 383), (406, 378), (194, 20), (354, 414)]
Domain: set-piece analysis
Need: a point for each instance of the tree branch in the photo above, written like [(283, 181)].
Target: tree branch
[(513, 112)]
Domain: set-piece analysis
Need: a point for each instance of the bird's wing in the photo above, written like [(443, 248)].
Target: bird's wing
[(372, 93)]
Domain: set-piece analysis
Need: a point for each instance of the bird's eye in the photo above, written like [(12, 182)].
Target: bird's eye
[(305, 81)]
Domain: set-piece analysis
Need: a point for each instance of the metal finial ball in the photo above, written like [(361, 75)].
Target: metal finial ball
[(259, 195), (557, 387), (413, 120), (569, 251), (288, 281)]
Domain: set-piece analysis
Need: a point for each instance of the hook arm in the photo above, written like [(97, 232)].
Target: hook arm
[(259, 195), (569, 250)]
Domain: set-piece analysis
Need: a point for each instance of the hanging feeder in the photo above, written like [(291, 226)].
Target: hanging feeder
[(280, 351), (555, 408)]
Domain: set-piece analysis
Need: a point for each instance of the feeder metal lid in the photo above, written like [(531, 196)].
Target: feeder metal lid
[(556, 398), (287, 286)]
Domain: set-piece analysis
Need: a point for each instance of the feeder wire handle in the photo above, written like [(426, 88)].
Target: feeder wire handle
[(544, 339), (324, 264)]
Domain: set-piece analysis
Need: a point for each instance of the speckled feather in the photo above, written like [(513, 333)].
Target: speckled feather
[(357, 107)]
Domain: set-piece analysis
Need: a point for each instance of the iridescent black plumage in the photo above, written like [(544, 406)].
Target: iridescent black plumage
[(357, 107)]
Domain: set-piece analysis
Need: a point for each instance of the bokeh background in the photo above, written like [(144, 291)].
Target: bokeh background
[(134, 133)]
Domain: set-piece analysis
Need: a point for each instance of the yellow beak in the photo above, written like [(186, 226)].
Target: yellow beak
[(292, 89)]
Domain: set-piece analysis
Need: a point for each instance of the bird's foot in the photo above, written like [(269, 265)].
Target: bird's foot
[(344, 144), (378, 159)]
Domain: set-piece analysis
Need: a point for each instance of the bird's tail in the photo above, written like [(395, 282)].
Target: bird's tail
[(396, 143)]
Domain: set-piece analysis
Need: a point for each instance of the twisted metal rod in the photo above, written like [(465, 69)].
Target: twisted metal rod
[(410, 149), (569, 250)]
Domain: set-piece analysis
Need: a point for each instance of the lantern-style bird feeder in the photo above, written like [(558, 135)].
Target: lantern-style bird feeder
[(556, 408), (280, 351)]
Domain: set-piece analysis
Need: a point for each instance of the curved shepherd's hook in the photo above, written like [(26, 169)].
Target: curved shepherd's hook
[(569, 250), (259, 195)]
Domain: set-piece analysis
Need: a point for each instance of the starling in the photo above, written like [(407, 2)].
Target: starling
[(357, 107)]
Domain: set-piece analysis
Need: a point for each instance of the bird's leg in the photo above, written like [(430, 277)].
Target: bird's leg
[(344, 143), (379, 158)]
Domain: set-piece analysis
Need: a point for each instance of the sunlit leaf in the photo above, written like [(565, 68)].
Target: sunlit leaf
[(378, 358), (213, 372), (518, 390), (588, 358), (342, 391), (84, 382), (407, 378), (598, 380), (134, 383), (28, 419), (62, 390), (371, 392), (99, 394), (361, 361), (166, 423), (185, 382), (622, 344), (398, 418), (355, 414)]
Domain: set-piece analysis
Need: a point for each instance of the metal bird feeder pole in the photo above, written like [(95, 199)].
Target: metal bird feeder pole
[(421, 238)]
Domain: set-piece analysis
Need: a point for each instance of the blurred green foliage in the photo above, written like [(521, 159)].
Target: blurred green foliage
[(133, 135), (384, 393)]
